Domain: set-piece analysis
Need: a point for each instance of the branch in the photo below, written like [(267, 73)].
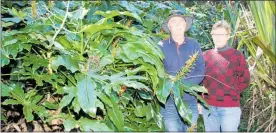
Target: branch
[(209, 77), (62, 24)]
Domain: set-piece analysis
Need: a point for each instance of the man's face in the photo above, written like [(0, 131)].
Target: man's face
[(177, 25), (220, 37)]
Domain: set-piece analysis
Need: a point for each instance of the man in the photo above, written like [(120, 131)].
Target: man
[(177, 50), (227, 76)]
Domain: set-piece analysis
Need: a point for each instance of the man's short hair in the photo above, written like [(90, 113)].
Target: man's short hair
[(222, 24)]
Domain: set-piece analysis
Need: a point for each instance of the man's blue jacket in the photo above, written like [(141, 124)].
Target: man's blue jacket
[(175, 59)]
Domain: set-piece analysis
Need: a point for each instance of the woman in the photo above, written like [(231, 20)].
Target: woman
[(226, 77)]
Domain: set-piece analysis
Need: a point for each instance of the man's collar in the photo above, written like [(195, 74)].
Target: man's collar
[(171, 40)]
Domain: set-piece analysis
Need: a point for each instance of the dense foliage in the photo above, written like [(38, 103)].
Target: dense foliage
[(95, 65)]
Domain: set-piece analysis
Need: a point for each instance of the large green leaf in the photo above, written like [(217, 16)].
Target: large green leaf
[(4, 89), (69, 124), (197, 88), (130, 7), (92, 125), (13, 48), (66, 100), (130, 51), (106, 60), (80, 13), (76, 105), (40, 111), (184, 111), (50, 105), (116, 115), (111, 14), (66, 61), (146, 95), (140, 111), (11, 101), (129, 81), (17, 93), (105, 99), (267, 50), (86, 94), (200, 99), (4, 60), (15, 20), (35, 60), (155, 113), (164, 90), (94, 28), (27, 111)]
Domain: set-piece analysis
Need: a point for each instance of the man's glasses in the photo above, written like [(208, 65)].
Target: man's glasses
[(219, 34)]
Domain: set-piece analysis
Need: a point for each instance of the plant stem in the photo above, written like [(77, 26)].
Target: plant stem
[(16, 74), (68, 78), (122, 65), (62, 24), (81, 36)]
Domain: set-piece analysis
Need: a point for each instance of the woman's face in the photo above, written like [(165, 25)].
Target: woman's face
[(220, 37)]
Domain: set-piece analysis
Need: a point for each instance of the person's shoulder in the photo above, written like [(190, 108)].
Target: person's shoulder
[(206, 52), (235, 52), (163, 42)]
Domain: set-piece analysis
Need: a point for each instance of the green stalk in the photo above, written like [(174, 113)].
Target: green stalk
[(81, 36)]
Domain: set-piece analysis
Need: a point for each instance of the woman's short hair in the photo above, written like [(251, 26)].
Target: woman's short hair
[(222, 24)]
